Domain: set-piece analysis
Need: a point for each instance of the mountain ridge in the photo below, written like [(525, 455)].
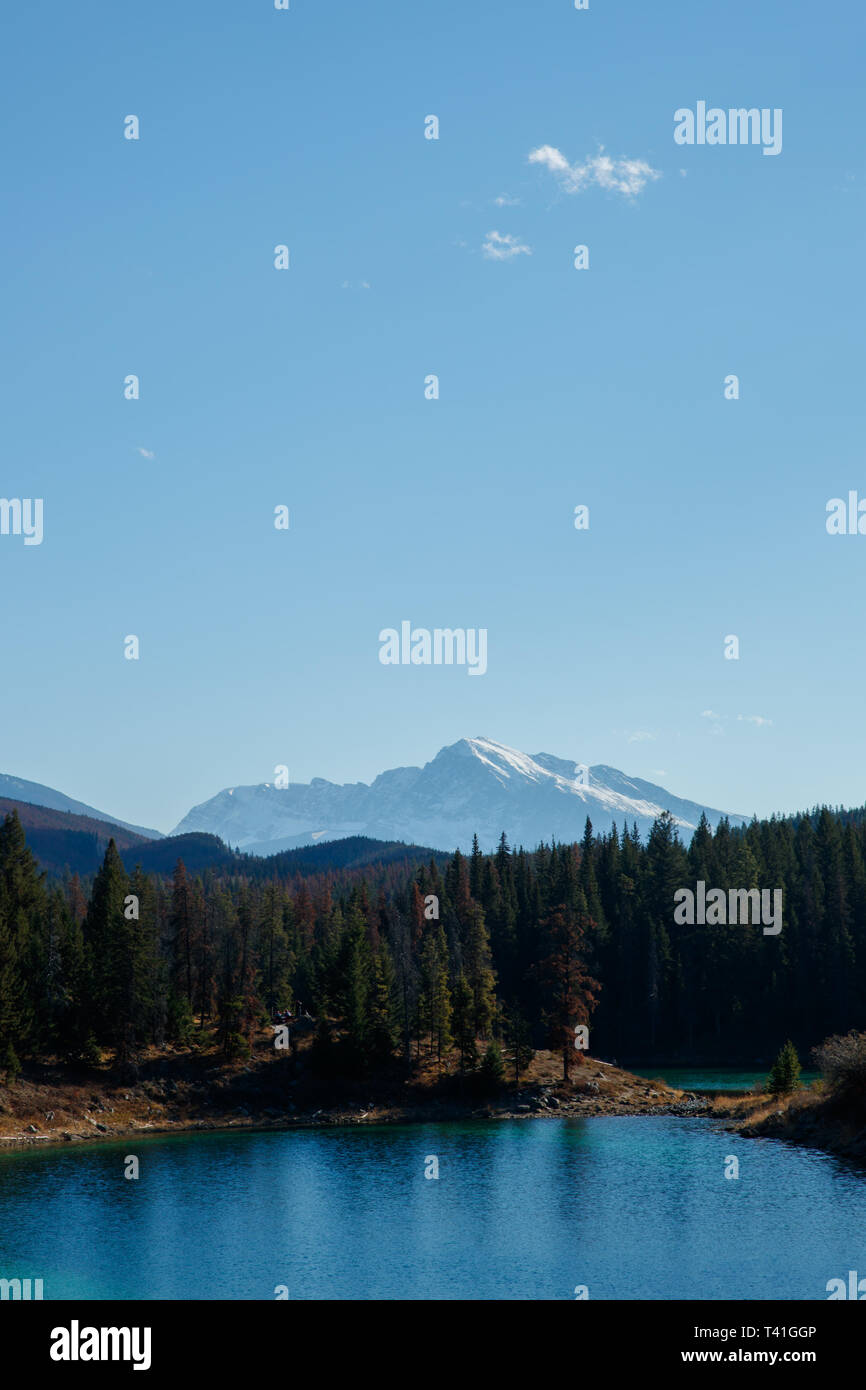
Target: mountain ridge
[(472, 786), (37, 794)]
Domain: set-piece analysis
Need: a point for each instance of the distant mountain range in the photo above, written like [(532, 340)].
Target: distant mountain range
[(475, 786), (62, 841), (18, 789)]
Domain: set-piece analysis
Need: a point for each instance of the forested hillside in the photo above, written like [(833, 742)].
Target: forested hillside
[(437, 958)]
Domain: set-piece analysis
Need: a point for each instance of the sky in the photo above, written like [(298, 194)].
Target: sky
[(410, 257)]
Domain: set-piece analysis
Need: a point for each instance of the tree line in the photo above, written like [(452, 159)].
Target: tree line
[(436, 960)]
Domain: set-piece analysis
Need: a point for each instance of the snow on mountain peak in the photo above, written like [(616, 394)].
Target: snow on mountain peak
[(474, 786)]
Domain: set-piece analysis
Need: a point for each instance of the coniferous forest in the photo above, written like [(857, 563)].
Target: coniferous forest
[(441, 958)]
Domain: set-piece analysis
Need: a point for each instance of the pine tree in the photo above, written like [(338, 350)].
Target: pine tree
[(570, 991), (23, 913), (357, 991), (13, 1001), (463, 1024), (107, 944), (491, 1073), (478, 967), (785, 1073), (518, 1039), (384, 1024)]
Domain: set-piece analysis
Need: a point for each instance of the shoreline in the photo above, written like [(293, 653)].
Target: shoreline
[(53, 1108), (62, 1112), (18, 1143)]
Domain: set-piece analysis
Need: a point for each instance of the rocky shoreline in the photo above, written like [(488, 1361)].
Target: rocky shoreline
[(55, 1112), (834, 1125)]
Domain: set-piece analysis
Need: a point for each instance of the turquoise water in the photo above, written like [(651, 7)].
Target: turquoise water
[(713, 1078), (632, 1207)]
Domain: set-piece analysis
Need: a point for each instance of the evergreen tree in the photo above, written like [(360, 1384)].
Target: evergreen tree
[(569, 989), (463, 1024), (491, 1073), (518, 1039), (478, 967), (107, 945), (785, 1073)]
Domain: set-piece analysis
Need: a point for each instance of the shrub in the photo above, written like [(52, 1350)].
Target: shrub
[(236, 1047), (842, 1062), (91, 1052), (491, 1073), (180, 1022)]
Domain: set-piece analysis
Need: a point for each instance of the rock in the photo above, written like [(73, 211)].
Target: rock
[(523, 1109), (551, 1100), (49, 1116), (31, 1129), (103, 1129)]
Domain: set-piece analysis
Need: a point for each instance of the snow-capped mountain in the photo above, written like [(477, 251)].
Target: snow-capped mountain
[(473, 786)]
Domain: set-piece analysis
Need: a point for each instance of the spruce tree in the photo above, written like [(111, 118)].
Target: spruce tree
[(785, 1073), (463, 1024), (478, 967), (107, 943)]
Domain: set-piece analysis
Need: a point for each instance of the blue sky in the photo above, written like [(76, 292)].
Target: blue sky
[(306, 387)]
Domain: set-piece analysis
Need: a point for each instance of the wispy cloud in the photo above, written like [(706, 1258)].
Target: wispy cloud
[(502, 246), (717, 719), (146, 453), (640, 736), (503, 201), (626, 176)]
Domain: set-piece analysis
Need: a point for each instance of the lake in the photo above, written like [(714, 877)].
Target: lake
[(712, 1078), (631, 1207)]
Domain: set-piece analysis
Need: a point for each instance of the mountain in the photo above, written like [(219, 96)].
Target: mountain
[(17, 789), (64, 840), (473, 786)]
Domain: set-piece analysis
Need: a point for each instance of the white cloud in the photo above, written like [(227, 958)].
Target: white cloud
[(502, 246), (640, 736), (757, 719), (146, 453), (503, 201), (626, 176)]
